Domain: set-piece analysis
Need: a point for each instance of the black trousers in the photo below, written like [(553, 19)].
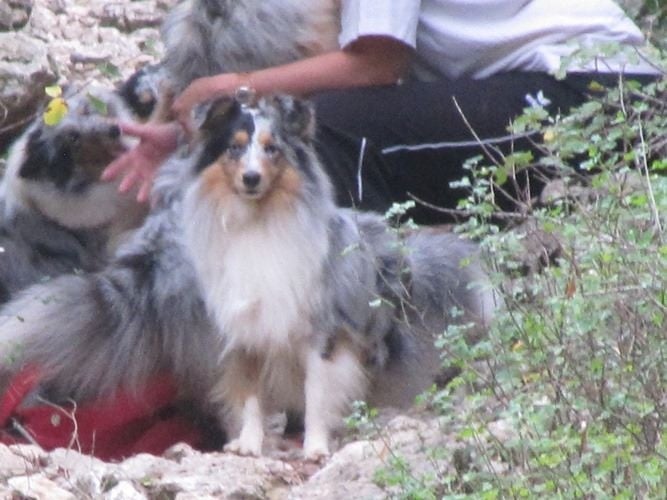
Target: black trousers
[(382, 144)]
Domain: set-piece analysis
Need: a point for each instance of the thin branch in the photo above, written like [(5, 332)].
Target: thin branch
[(649, 185), (466, 213)]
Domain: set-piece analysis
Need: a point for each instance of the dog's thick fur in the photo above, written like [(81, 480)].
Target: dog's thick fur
[(144, 89), (206, 37), (312, 302), (90, 334), (56, 216), (284, 292)]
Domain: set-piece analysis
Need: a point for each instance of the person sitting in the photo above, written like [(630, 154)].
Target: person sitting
[(417, 87)]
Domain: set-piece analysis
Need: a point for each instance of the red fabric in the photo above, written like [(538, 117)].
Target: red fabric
[(122, 425)]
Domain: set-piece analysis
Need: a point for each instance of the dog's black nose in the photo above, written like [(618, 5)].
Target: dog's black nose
[(114, 132), (251, 179)]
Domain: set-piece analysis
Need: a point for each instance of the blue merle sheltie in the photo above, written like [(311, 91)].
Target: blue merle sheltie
[(56, 215), (253, 289), (316, 305)]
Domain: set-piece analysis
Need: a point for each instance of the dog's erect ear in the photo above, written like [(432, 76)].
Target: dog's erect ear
[(297, 116), (218, 112)]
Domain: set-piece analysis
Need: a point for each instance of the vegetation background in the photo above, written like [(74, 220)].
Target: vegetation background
[(567, 397)]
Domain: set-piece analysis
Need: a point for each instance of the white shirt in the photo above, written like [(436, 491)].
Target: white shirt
[(481, 37)]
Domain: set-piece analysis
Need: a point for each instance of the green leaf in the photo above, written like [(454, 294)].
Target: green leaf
[(659, 165), (109, 70), (500, 176), (98, 104)]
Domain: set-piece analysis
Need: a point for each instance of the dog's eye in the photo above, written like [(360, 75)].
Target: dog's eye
[(235, 149), (271, 150)]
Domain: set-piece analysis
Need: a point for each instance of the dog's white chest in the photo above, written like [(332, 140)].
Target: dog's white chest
[(262, 282)]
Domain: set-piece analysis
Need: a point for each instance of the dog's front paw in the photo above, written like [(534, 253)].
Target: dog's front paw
[(244, 448), (315, 450)]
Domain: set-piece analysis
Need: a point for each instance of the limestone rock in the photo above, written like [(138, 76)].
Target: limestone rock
[(25, 69), (39, 488), (128, 17), (70, 41)]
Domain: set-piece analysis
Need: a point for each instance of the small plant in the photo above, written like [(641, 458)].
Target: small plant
[(567, 395), (362, 419)]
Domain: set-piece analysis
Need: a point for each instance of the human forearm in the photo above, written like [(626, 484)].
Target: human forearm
[(369, 61)]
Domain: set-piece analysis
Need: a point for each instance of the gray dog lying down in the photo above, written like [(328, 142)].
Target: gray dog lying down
[(254, 290), (56, 216)]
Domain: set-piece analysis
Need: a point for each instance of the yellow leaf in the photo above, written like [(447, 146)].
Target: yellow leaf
[(549, 135), (596, 86), (55, 111), (53, 91)]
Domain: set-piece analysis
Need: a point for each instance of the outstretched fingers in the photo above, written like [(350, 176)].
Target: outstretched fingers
[(144, 190), (131, 178), (138, 166), (117, 167)]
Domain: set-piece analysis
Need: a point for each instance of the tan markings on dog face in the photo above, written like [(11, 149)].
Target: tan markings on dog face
[(265, 138), (216, 179), (241, 138), (285, 188), (95, 153), (163, 100)]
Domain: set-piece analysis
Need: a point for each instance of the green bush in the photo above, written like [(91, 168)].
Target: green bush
[(567, 397)]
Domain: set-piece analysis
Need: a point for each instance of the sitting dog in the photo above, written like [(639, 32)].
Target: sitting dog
[(254, 291), (313, 303), (93, 336), (56, 216)]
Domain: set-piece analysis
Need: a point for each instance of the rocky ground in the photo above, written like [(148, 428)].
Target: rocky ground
[(183, 473), (43, 42)]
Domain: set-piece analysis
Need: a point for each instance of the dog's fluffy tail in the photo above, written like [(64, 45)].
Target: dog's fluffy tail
[(82, 333), (448, 285), (90, 334)]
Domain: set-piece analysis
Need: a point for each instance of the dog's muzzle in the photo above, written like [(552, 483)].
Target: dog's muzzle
[(251, 180)]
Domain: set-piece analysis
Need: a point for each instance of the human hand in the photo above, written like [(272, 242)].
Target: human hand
[(200, 90), (138, 166)]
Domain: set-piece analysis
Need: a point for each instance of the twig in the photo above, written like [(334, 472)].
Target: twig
[(649, 185), (465, 213), (17, 124), (5, 112), (24, 433), (71, 415), (620, 94), (479, 140)]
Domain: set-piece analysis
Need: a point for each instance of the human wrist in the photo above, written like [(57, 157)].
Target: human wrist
[(245, 90), (244, 79)]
